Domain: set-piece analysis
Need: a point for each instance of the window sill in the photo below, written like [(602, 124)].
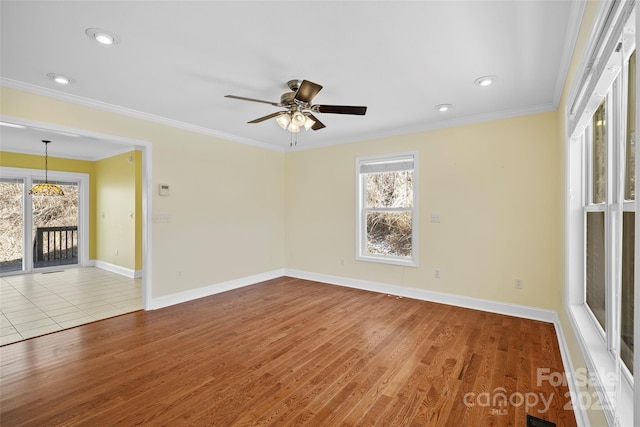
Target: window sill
[(387, 260), (613, 395)]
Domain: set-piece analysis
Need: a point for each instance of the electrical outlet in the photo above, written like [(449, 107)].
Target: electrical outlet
[(518, 283), (435, 217), (436, 273)]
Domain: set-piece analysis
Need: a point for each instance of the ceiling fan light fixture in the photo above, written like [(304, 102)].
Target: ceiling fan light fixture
[(298, 118), (308, 123), (293, 128), (284, 120), (298, 108)]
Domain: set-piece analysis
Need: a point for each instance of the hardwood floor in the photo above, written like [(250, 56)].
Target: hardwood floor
[(288, 352)]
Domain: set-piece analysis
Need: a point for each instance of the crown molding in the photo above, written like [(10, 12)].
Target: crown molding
[(440, 124), (87, 102), (571, 36)]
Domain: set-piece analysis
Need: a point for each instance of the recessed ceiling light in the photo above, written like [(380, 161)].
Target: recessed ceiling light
[(486, 80), (59, 78), (12, 125), (101, 36), (443, 107)]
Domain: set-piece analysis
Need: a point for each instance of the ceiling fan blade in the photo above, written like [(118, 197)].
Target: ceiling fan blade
[(307, 91), (318, 124), (340, 109), (277, 104), (270, 116)]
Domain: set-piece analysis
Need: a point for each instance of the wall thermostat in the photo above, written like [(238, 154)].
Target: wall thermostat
[(163, 189)]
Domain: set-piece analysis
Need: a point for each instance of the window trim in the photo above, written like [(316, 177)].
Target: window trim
[(616, 394), (361, 211)]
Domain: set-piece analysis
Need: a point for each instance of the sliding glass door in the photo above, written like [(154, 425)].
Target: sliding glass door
[(55, 227), (41, 232)]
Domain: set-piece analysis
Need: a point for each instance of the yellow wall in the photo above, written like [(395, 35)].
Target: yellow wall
[(495, 185), (112, 188), (28, 161), (118, 219), (226, 206)]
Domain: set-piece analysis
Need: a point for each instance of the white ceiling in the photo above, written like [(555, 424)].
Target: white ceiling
[(175, 61)]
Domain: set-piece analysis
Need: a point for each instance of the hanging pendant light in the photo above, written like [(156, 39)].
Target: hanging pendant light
[(45, 188)]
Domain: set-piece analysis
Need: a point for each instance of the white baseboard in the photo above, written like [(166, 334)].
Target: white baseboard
[(127, 272), (516, 310), (205, 291)]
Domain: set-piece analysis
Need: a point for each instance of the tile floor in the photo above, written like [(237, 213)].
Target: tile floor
[(41, 303)]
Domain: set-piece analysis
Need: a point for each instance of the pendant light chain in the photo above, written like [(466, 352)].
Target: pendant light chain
[(46, 162)]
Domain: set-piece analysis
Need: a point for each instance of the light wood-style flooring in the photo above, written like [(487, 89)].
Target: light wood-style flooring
[(288, 352)]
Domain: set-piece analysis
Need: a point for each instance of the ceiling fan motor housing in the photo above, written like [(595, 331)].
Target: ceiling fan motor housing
[(287, 98), (294, 85)]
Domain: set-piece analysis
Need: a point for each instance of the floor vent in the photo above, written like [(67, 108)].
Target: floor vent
[(538, 422)]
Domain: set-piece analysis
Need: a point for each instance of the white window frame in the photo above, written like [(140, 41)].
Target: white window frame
[(361, 210), (597, 77)]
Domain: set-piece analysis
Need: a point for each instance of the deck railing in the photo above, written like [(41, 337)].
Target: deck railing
[(55, 246)]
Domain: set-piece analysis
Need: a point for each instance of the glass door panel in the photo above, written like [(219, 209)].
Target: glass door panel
[(55, 227), (11, 224)]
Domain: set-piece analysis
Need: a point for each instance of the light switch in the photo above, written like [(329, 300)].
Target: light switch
[(163, 190)]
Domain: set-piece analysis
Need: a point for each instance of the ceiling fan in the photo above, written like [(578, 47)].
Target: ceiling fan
[(299, 111)]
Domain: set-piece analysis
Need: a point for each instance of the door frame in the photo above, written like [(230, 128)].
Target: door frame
[(28, 175)]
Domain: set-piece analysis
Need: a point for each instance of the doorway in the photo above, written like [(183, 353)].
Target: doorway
[(89, 145)]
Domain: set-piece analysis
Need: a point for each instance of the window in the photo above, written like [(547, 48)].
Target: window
[(628, 222), (386, 220), (610, 214), (601, 209), (609, 221)]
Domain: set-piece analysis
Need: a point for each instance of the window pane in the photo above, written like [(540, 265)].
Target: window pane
[(11, 224), (630, 163), (596, 266), (599, 154), (628, 253), (390, 189), (389, 233), (55, 227)]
